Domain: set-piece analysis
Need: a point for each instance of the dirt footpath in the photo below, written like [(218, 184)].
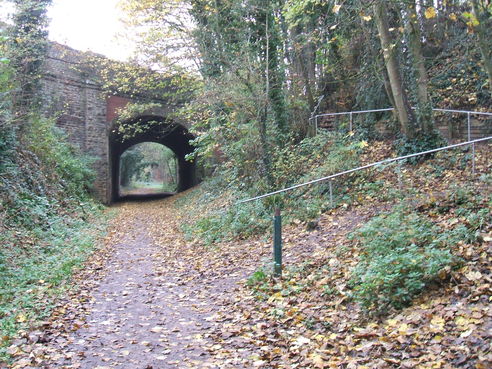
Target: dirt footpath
[(152, 300), (148, 300)]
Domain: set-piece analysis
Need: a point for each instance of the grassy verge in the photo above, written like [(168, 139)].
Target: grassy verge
[(36, 265), (48, 223)]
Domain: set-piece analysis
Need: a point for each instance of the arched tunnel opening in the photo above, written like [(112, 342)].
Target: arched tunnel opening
[(157, 130), (147, 169)]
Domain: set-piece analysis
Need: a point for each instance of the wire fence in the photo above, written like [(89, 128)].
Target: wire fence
[(314, 121)]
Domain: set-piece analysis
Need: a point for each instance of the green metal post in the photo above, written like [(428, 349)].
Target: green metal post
[(277, 243)]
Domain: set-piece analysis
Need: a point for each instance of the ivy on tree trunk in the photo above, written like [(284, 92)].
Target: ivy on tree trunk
[(27, 50)]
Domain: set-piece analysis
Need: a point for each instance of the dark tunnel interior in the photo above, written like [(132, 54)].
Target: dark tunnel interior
[(172, 135)]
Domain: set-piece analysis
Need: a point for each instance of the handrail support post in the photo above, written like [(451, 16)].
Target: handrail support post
[(277, 244), (331, 192), (473, 158), (400, 179)]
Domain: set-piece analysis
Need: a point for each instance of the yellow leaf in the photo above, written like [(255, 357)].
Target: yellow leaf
[(275, 296), (336, 8), (392, 322), (463, 322), (437, 338), (403, 329), (21, 318), (318, 361), (430, 13), (437, 323), (453, 17), (367, 18)]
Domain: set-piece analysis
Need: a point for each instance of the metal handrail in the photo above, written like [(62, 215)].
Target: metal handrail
[(390, 109), (352, 112), (464, 111), (469, 113), (386, 161)]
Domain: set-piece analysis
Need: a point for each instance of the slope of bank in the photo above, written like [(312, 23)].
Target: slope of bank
[(340, 304), (49, 223)]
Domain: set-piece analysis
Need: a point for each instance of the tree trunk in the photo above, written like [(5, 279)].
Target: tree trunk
[(484, 18), (402, 106), (275, 75), (387, 87), (424, 106), (303, 64)]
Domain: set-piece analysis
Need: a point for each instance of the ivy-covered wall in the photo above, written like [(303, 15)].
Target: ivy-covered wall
[(73, 90)]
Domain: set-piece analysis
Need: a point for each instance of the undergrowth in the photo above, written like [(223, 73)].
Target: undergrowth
[(416, 246), (404, 251), (421, 143), (413, 248), (401, 253), (48, 222), (322, 155)]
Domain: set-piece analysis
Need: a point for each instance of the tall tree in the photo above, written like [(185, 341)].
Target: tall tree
[(390, 48), (482, 11), (424, 108)]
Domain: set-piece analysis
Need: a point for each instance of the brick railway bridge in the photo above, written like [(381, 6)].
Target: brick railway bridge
[(73, 90)]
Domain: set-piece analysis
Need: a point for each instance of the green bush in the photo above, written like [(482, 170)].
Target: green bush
[(239, 221), (401, 253), (314, 157), (405, 146), (50, 145), (41, 180), (259, 277), (7, 148), (44, 213)]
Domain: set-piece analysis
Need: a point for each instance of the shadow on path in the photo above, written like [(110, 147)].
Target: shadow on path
[(145, 197)]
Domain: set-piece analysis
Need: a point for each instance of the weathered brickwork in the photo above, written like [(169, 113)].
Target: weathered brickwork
[(86, 114)]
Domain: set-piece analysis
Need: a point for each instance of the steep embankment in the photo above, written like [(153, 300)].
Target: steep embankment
[(48, 223)]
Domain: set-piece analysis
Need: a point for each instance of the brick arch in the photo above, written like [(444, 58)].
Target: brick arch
[(72, 86), (166, 132)]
